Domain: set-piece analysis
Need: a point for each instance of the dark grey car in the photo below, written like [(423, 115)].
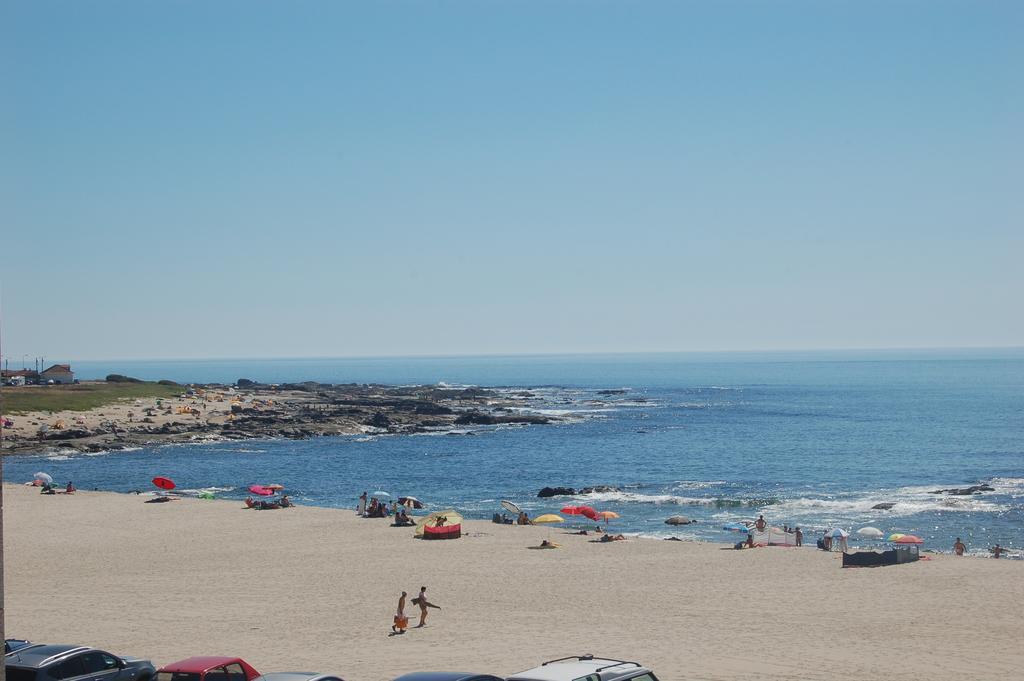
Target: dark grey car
[(74, 663)]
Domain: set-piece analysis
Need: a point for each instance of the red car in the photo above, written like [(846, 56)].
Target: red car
[(210, 668)]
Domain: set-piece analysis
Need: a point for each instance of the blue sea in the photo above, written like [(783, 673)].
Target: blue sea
[(812, 439)]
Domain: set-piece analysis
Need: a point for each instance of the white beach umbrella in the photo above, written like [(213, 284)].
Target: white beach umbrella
[(837, 533), (872, 532), (43, 477)]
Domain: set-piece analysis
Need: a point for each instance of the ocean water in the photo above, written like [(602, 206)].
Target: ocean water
[(807, 439)]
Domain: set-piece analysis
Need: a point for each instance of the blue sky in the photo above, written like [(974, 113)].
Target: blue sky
[(197, 179)]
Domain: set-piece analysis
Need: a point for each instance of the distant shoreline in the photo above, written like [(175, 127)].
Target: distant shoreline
[(216, 412)]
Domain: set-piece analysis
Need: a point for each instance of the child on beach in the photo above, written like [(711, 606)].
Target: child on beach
[(959, 547), (401, 622)]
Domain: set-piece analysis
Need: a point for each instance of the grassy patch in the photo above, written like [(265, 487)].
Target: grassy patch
[(81, 397)]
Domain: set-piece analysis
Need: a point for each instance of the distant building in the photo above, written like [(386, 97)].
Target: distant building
[(58, 373), (19, 376)]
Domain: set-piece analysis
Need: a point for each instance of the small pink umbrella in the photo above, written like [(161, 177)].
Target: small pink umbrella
[(908, 539)]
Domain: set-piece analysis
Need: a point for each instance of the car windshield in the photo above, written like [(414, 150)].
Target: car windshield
[(19, 674)]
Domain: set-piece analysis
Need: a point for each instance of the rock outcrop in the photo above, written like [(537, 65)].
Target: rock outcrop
[(965, 491), (556, 492)]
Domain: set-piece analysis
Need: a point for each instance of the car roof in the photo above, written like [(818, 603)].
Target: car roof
[(568, 669), (40, 655), (447, 676), (199, 664), (12, 644)]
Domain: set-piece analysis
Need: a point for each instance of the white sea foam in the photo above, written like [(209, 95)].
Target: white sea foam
[(663, 499)]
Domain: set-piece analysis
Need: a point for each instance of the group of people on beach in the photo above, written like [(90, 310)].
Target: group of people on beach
[(375, 508), (50, 488), (401, 620), (268, 504), (959, 549)]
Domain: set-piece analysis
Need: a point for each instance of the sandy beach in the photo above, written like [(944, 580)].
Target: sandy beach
[(314, 589)]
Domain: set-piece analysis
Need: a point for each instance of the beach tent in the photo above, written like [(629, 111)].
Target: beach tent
[(773, 536), (451, 517)]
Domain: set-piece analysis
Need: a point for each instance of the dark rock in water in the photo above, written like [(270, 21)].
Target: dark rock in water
[(245, 382), (556, 492), (480, 418), (884, 506), (966, 491), (618, 391), (673, 539), (678, 520), (597, 489)]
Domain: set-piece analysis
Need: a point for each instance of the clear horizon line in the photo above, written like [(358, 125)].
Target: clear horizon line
[(908, 348)]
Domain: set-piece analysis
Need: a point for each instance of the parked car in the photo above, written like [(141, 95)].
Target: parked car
[(447, 676), (298, 676), (12, 644), (59, 662), (586, 668), (208, 668)]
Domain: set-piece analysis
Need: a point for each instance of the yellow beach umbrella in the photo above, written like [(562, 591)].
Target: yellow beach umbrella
[(548, 519), (451, 517), (607, 515)]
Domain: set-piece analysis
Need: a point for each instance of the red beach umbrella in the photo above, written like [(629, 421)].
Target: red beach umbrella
[(585, 511), (163, 483)]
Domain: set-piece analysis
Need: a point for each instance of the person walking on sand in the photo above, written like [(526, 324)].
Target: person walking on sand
[(760, 524), (422, 601), (959, 547), (799, 537), (401, 620), (361, 508)]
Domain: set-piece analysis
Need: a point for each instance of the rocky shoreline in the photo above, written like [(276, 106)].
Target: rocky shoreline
[(253, 411)]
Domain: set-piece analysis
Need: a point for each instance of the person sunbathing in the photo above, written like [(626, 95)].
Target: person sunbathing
[(549, 545), (613, 537)]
